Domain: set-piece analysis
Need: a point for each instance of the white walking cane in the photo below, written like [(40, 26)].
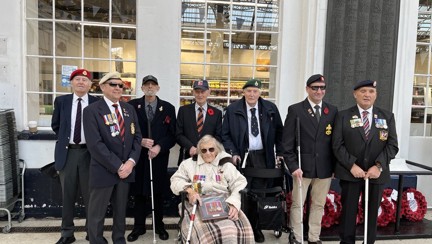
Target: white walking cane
[(366, 210), (151, 186), (299, 180), (192, 219)]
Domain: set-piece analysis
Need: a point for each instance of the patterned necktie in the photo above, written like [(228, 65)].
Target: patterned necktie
[(120, 121), (150, 114), (77, 128), (200, 120), (366, 125), (317, 112), (254, 123)]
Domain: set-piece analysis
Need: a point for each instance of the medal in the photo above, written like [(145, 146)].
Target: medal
[(132, 128), (328, 130)]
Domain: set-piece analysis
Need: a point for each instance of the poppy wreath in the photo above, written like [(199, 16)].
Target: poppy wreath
[(387, 194), (414, 209), (386, 212), (332, 209)]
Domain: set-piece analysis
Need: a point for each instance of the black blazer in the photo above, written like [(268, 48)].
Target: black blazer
[(109, 152), (315, 140), (186, 128), (163, 134), (61, 125), (350, 145)]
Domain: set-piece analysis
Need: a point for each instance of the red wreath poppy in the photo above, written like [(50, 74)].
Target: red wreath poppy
[(326, 110), (332, 210), (414, 209), (387, 193), (386, 212), (210, 111), (167, 119)]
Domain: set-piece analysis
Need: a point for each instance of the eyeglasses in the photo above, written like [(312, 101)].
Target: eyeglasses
[(115, 84), (204, 150), (315, 88)]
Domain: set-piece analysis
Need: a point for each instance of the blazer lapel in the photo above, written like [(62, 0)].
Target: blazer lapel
[(68, 110), (309, 113), (373, 129)]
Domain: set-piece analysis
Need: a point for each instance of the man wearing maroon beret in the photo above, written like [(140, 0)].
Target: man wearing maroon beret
[(72, 158)]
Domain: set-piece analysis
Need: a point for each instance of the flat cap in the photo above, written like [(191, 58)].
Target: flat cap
[(150, 78), (80, 72), (110, 76), (201, 84), (252, 83), (363, 83), (315, 78)]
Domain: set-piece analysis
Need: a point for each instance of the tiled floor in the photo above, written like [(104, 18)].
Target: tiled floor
[(52, 237)]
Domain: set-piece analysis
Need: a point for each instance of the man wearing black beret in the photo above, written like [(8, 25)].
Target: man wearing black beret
[(253, 125), (364, 142), (316, 122)]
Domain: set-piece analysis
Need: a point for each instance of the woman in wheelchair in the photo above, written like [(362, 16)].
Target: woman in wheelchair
[(212, 174)]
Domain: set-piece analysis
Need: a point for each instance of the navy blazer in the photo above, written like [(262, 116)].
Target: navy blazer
[(186, 129), (108, 152), (317, 157), (61, 125), (350, 145)]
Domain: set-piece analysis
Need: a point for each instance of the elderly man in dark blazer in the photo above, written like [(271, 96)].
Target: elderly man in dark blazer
[(316, 122), (158, 116), (208, 121), (364, 142), (113, 139), (72, 158), (253, 125)]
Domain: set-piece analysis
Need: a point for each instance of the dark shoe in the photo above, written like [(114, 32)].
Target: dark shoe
[(66, 240), (133, 236), (88, 239), (315, 242), (259, 236), (163, 234)]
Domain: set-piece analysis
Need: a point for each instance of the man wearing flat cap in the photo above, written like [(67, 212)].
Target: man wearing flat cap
[(72, 158), (208, 121), (113, 139), (157, 122), (252, 126), (364, 142), (313, 119)]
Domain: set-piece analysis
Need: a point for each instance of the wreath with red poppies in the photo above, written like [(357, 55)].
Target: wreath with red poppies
[(360, 211), (414, 205), (332, 209), (386, 212), (210, 111), (387, 193)]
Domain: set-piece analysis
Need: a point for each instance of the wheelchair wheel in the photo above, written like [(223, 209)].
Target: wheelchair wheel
[(278, 233)]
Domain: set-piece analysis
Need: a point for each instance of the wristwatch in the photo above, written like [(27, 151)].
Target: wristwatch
[(379, 167)]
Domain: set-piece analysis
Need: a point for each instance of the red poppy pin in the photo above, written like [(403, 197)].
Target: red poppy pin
[(326, 111), (210, 111), (167, 120)]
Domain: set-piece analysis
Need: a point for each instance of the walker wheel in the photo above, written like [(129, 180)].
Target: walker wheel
[(278, 233)]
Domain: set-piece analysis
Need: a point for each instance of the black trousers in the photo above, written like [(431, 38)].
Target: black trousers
[(143, 208), (349, 198)]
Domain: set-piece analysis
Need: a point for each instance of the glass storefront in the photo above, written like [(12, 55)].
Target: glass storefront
[(227, 43), (64, 35)]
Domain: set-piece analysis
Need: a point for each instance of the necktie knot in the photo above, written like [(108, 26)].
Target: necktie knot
[(365, 113), (115, 106)]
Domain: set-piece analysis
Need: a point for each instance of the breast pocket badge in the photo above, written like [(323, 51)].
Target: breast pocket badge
[(383, 135)]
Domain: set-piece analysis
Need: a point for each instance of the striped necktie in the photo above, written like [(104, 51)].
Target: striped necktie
[(120, 121), (366, 125), (200, 120)]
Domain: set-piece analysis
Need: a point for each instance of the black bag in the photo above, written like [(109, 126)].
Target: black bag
[(270, 213)]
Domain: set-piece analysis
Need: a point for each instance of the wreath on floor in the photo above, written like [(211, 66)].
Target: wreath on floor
[(414, 205), (332, 209), (360, 211)]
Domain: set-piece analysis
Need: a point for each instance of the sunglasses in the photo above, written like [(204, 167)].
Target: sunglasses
[(315, 88), (204, 150), (115, 84)]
